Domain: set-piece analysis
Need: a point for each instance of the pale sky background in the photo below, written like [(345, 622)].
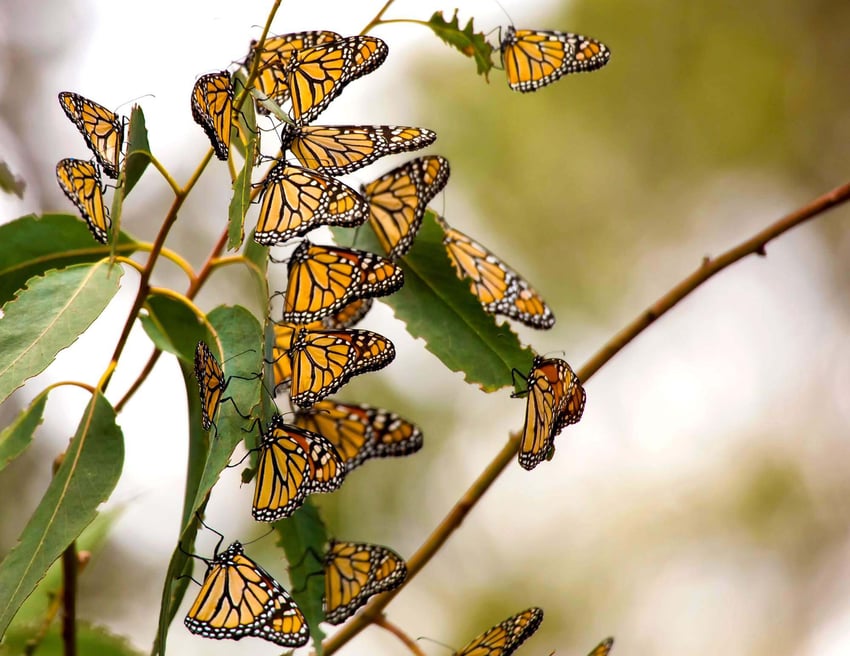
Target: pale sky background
[(661, 444)]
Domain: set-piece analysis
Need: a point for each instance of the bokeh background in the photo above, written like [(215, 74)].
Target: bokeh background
[(701, 505)]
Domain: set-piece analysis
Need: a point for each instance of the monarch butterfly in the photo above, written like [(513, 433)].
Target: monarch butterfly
[(504, 638), (344, 318), (211, 383), (323, 279), (354, 571), (317, 75), (361, 432), (499, 288), (239, 598), (275, 57), (103, 130), (212, 109), (397, 200), (556, 399), (293, 463), (603, 648), (535, 58), (80, 180), (315, 363), (341, 149), (297, 200)]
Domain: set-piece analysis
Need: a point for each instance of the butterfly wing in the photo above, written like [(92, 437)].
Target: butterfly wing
[(80, 180), (535, 58), (499, 288), (211, 383), (397, 201), (102, 129), (323, 279), (239, 598), (341, 149), (504, 638), (354, 571), (297, 200), (212, 109), (274, 60), (344, 318), (322, 361), (361, 432), (292, 464)]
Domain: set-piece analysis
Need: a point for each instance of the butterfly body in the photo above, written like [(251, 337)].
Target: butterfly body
[(296, 200), (341, 149), (323, 279), (293, 463), (555, 400), (80, 180), (397, 200), (354, 571), (361, 432), (506, 637), (212, 109), (535, 58), (238, 598), (102, 129)]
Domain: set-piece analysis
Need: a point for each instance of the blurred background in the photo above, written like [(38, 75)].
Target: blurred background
[(702, 501)]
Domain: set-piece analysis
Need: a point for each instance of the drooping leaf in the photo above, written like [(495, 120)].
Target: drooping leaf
[(17, 436), (138, 150), (31, 245), (241, 200), (237, 343), (437, 306), (303, 538), (9, 182), (91, 639), (48, 316), (244, 119), (471, 43), (88, 474), (173, 326)]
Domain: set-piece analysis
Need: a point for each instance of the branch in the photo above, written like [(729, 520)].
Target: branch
[(384, 623), (709, 267)]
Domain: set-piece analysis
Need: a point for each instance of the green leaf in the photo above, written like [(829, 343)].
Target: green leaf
[(88, 474), (31, 245), (303, 538), (17, 436), (435, 303), (9, 182), (48, 316), (91, 639), (138, 150), (238, 340), (245, 120), (173, 326), (241, 200), (467, 40)]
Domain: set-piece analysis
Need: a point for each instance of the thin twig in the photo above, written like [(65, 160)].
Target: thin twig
[(377, 19), (709, 267), (384, 623), (70, 565)]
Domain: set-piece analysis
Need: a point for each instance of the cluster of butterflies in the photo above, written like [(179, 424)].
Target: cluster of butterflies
[(329, 290)]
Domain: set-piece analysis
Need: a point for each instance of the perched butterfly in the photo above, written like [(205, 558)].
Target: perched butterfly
[(317, 75), (212, 109), (499, 288), (341, 149), (354, 571), (80, 180), (397, 200), (361, 432), (535, 58), (102, 129), (296, 200), (293, 463), (344, 318), (239, 598), (315, 363), (555, 400), (603, 648), (211, 383), (504, 638), (323, 279), (275, 57)]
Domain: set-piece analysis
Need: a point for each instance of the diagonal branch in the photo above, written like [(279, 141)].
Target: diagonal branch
[(756, 245)]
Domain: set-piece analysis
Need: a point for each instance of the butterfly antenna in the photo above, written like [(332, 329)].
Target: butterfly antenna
[(505, 12), (212, 530), (437, 642), (132, 100), (260, 537)]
